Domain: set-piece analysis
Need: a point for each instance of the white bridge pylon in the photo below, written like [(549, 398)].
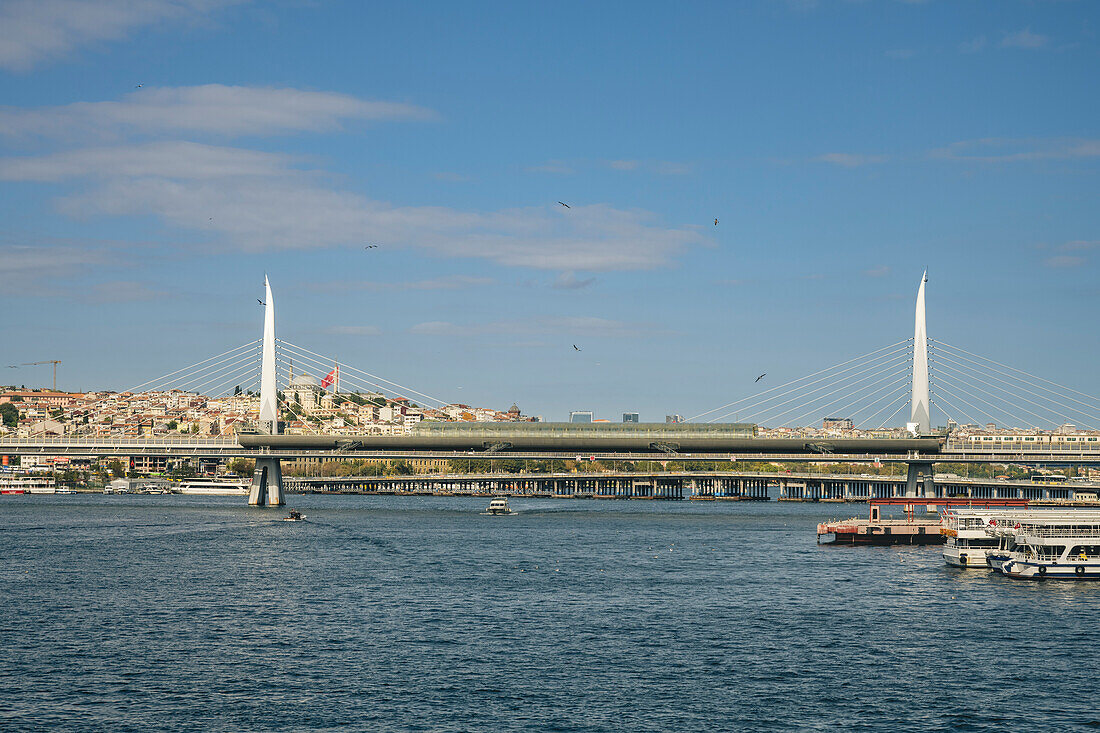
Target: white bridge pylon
[(920, 420), (267, 478)]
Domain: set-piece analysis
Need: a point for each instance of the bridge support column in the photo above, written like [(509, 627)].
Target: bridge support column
[(919, 481), (267, 483)]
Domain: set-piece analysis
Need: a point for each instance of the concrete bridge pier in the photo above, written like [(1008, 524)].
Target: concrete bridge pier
[(920, 480), (267, 483)]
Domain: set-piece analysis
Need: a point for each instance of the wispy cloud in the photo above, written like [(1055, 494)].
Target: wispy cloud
[(209, 109), (974, 45), (880, 271), (259, 201), (1081, 245), (573, 326), (34, 31), (850, 160), (552, 166), (1064, 261), (569, 281), (1024, 39), (623, 165), (122, 291), (1006, 150), (353, 330), (449, 282), (178, 160), (450, 177)]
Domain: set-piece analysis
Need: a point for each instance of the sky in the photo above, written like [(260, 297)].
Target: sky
[(158, 157)]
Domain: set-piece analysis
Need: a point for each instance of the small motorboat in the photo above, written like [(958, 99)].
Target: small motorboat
[(499, 506), (294, 516)]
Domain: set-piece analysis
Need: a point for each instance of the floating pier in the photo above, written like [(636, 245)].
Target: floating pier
[(911, 530)]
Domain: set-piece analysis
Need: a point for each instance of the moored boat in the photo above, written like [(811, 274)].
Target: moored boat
[(967, 541), (214, 487), (1047, 544)]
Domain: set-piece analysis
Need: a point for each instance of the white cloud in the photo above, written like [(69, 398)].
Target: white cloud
[(551, 166), (122, 291), (1064, 261), (572, 326), (569, 281), (1007, 150), (1024, 39), (973, 46), (33, 31), (1081, 245), (209, 109), (447, 282), (178, 160), (257, 201), (623, 165), (880, 271), (850, 160), (354, 330)]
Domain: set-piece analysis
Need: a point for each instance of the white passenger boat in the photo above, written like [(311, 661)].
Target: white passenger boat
[(1047, 544), (967, 540), (499, 506), (214, 487)]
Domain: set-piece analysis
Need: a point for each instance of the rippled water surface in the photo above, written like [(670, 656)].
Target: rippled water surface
[(421, 614)]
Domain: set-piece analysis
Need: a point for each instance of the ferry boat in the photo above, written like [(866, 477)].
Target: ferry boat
[(27, 485), (499, 506), (214, 487), (1047, 544), (967, 542)]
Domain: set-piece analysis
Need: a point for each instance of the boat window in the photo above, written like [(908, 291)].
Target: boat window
[(1049, 552), (1084, 552)]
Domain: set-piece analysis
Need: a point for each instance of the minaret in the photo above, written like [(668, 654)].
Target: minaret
[(920, 422), (267, 479)]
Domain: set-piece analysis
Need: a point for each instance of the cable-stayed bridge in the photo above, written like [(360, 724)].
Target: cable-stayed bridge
[(910, 381)]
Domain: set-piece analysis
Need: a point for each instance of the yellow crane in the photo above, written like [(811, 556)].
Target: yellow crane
[(55, 362)]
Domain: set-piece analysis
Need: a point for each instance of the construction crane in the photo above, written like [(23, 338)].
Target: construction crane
[(55, 362)]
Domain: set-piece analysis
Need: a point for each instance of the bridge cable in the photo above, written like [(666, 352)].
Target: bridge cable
[(953, 373), (889, 364), (954, 391), (946, 354), (800, 379), (1061, 416), (1021, 371), (863, 394), (372, 376), (893, 392)]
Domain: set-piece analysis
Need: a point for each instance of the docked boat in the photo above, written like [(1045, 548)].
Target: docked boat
[(214, 487), (967, 541), (27, 485), (499, 506), (1047, 544)]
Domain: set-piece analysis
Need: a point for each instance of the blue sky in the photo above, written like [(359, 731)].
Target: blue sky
[(843, 146)]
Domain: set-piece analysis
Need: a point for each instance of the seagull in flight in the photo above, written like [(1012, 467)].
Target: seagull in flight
[(575, 347), (371, 246), (565, 205), (139, 86), (716, 222), (760, 377), (260, 302)]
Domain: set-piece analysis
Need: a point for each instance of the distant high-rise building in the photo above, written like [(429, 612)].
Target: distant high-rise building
[(580, 416), (674, 418), (630, 417)]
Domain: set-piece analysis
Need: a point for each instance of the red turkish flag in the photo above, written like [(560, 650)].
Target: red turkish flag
[(327, 381)]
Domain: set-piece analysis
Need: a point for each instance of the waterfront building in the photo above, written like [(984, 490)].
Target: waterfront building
[(630, 417), (580, 416)]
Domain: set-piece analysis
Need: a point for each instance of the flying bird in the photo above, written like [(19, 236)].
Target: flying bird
[(371, 246), (575, 347), (260, 302), (139, 86), (715, 222), (565, 205), (760, 377)]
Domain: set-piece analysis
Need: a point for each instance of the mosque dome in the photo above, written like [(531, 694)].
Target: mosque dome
[(305, 381)]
